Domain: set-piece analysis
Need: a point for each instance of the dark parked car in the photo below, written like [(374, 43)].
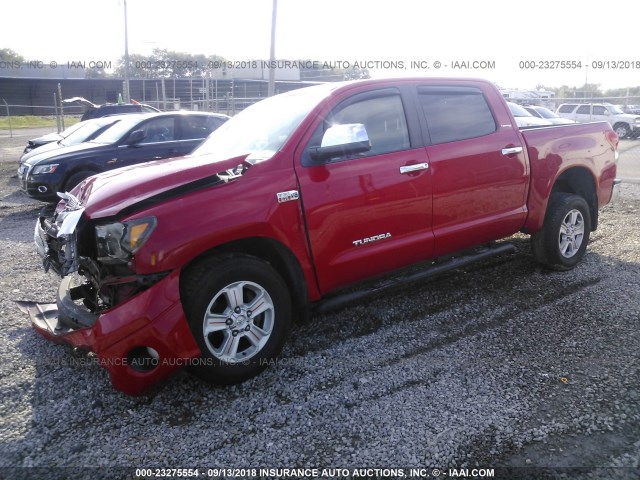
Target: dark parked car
[(78, 133), (134, 139), (97, 111), (50, 137)]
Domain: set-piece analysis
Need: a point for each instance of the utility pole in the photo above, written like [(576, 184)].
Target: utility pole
[(127, 96), (272, 57)]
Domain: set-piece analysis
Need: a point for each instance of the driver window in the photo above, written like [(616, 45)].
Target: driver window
[(384, 120), (158, 130)]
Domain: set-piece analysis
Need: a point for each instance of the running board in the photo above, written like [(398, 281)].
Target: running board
[(343, 299)]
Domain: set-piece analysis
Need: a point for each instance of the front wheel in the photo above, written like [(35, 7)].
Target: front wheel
[(563, 240), (239, 311), (622, 130), (76, 178)]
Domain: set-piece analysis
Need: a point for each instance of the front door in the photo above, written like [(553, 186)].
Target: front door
[(161, 141), (367, 213)]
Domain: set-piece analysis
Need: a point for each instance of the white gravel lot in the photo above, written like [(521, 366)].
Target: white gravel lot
[(501, 365)]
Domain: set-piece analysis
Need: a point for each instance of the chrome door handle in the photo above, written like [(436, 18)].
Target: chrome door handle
[(511, 151), (414, 168)]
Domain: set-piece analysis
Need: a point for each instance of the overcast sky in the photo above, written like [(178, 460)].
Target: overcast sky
[(503, 32)]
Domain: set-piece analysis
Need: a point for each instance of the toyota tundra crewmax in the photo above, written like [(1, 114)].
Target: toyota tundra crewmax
[(305, 202)]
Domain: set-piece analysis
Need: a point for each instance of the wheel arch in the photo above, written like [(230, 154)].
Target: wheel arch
[(579, 181), (94, 170), (274, 253), (621, 122)]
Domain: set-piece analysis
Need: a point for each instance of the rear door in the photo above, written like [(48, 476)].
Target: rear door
[(478, 166), (368, 213), (583, 114), (567, 111)]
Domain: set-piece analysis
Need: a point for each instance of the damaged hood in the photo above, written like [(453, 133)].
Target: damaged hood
[(108, 193), (80, 101)]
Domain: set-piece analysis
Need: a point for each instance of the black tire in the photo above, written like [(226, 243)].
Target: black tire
[(622, 130), (562, 242), (206, 290), (76, 178)]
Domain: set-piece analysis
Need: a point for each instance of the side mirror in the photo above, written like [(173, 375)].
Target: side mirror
[(338, 140), (136, 137)]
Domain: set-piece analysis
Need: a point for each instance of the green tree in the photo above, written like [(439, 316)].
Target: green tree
[(324, 74), (163, 63), (8, 55)]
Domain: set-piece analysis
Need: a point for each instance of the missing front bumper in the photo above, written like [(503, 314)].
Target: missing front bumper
[(152, 321)]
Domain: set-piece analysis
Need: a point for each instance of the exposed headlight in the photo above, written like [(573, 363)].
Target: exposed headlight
[(42, 169), (121, 240)]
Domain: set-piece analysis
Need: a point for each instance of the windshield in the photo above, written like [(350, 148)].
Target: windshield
[(86, 131), (262, 129), (518, 111), (615, 110), (65, 133), (117, 131), (545, 112)]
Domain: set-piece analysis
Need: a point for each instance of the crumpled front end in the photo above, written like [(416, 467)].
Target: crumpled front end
[(134, 324)]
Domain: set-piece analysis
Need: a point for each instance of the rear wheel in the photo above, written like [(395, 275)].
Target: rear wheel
[(563, 240), (239, 311)]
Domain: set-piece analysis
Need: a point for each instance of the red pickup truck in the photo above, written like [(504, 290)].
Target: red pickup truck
[(301, 203)]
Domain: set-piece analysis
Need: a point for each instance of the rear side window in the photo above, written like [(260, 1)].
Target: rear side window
[(584, 109), (456, 114), (566, 108)]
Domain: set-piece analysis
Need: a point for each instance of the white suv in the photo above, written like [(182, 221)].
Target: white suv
[(624, 124)]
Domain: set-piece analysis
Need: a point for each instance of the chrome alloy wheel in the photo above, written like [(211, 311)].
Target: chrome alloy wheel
[(238, 322), (571, 233)]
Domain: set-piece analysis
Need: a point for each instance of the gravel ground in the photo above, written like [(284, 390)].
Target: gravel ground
[(500, 365)]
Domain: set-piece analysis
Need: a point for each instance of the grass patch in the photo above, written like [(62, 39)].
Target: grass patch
[(33, 121)]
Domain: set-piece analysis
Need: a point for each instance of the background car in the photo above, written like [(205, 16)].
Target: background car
[(624, 124), (134, 139), (97, 111), (50, 137), (524, 118), (543, 112), (78, 133)]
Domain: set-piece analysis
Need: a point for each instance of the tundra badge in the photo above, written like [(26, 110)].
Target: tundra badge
[(375, 238), (288, 196)]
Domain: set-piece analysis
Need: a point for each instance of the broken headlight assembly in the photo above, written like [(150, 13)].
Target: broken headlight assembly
[(120, 241)]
